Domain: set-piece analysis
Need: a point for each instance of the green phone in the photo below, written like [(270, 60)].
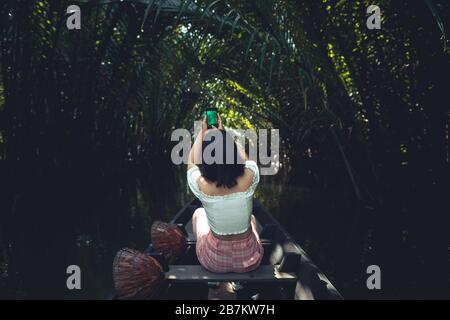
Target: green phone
[(211, 117)]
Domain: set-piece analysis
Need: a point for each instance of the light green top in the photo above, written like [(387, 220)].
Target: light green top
[(228, 214)]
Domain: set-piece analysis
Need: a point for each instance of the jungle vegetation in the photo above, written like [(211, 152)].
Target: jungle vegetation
[(86, 117)]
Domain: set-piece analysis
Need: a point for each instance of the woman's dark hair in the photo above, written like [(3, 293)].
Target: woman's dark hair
[(220, 171)]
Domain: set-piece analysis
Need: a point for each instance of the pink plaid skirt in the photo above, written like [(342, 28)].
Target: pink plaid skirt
[(223, 256)]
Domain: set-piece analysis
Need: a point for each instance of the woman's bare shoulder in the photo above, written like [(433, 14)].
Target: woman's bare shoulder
[(243, 183), (247, 178)]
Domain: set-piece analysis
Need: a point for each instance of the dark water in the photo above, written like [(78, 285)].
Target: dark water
[(49, 226)]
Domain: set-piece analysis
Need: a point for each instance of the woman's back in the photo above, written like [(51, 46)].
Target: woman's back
[(228, 209), (243, 183), (227, 238)]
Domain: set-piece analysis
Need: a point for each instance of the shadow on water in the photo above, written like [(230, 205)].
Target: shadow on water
[(399, 240), (76, 220), (84, 220)]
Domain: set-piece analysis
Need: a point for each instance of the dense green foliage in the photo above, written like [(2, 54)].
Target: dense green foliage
[(363, 116)]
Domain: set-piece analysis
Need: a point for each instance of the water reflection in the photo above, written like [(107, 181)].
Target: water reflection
[(51, 226), (119, 214)]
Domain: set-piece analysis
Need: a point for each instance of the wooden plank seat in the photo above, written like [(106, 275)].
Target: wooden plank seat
[(196, 273)]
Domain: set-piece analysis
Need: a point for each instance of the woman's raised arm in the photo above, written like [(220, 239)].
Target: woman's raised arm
[(196, 151)]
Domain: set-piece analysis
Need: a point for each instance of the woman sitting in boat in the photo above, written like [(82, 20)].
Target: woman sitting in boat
[(227, 236)]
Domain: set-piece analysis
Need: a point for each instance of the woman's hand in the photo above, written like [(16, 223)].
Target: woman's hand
[(204, 126), (220, 122)]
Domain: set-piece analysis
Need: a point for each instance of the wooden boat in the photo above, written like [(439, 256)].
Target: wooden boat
[(285, 273)]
